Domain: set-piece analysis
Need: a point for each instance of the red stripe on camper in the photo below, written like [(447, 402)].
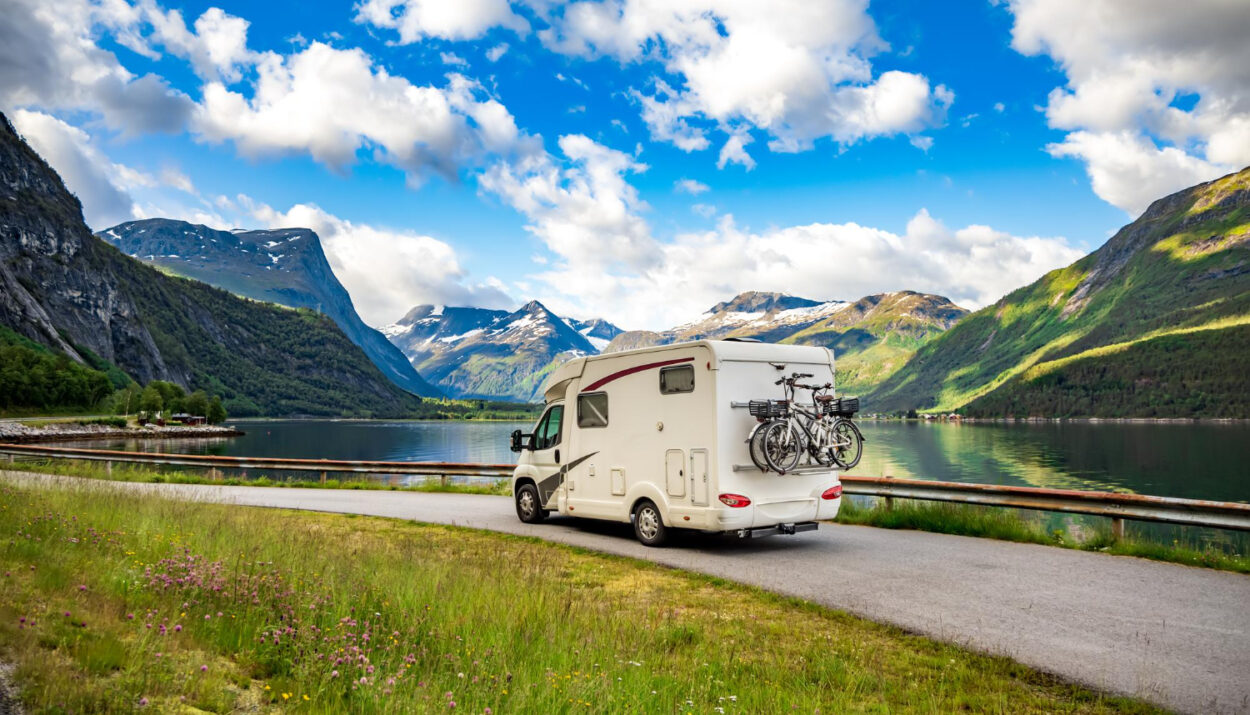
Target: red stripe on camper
[(630, 371)]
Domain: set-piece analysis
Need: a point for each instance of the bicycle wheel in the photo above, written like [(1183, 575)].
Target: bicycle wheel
[(756, 447), (782, 446), (848, 443), (822, 451)]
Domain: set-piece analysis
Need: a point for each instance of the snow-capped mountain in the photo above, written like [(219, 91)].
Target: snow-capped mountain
[(475, 352), (872, 337), (283, 266)]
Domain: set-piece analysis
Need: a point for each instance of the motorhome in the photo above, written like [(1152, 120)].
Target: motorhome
[(659, 437)]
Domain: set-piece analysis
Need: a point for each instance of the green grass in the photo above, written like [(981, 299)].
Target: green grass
[(112, 601), (157, 475), (1039, 528)]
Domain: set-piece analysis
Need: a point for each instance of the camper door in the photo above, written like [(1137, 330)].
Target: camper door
[(546, 445)]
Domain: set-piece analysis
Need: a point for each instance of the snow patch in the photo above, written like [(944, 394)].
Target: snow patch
[(462, 336), (438, 310), (599, 343)]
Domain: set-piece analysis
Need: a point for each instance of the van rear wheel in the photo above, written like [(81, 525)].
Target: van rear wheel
[(648, 526), (528, 508)]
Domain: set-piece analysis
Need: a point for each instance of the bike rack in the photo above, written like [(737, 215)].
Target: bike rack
[(805, 469)]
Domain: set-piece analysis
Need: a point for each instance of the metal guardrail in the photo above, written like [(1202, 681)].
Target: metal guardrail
[(1193, 512), (208, 461)]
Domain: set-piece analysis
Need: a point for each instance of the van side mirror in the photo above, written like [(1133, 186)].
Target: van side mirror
[(517, 441)]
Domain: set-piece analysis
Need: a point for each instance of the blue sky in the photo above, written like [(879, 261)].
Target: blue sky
[(638, 160)]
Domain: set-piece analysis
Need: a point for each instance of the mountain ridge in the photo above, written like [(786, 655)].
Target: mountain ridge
[(285, 266), (1100, 325)]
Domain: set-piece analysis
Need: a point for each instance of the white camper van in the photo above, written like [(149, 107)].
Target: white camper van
[(658, 437)]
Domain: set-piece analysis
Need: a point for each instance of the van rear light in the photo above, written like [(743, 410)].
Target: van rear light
[(832, 492), (736, 501)]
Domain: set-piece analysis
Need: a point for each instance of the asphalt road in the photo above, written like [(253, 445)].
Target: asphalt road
[(1173, 635)]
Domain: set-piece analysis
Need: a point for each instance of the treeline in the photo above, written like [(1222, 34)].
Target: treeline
[(165, 398), (1201, 374)]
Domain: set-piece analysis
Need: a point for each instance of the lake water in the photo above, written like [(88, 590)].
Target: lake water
[(1197, 461)]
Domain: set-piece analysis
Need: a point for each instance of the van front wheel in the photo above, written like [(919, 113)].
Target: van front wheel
[(648, 526), (528, 508)]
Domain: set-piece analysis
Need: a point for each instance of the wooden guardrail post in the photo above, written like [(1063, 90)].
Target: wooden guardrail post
[(889, 501), (108, 468), (442, 479), (323, 479), (1117, 529)]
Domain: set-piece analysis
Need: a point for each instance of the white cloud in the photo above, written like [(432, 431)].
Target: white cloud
[(451, 58), (704, 210), (100, 185), (217, 47), (333, 102), (584, 210), (734, 151), (690, 186), (1129, 171), (175, 178), (457, 20), (607, 262), (1127, 65), (49, 60), (797, 70), (1000, 107), (385, 271), (494, 53)]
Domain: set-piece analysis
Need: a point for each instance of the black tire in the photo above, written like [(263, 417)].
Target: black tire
[(850, 441), (529, 508), (783, 445), (756, 447), (649, 525)]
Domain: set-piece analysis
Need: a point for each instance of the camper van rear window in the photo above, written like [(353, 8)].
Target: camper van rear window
[(676, 379), (592, 410)]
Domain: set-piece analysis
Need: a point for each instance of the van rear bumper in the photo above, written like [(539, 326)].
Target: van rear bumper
[(775, 529)]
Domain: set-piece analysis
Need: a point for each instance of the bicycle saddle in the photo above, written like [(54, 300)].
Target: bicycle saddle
[(825, 398)]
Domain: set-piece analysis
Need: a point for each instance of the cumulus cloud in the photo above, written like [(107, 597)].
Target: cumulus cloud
[(1130, 171), (494, 53), (49, 60), (1167, 83), (386, 271), (799, 71), (582, 208), (690, 186), (607, 261), (459, 20), (331, 103), (100, 185)]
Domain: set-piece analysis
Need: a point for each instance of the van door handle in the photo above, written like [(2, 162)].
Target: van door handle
[(557, 456)]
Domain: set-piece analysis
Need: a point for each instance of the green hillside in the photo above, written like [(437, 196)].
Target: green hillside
[(1181, 269)]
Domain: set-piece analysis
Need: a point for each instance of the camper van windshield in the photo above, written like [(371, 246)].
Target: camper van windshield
[(548, 433)]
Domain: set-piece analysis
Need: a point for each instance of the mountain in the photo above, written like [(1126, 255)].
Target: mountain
[(474, 352), (1156, 322), (284, 266), (871, 337), (63, 288)]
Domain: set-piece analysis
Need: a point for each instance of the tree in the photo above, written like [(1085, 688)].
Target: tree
[(151, 401), (197, 404), (216, 413), (172, 395)]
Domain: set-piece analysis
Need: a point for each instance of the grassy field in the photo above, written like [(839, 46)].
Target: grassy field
[(112, 602), (1230, 554)]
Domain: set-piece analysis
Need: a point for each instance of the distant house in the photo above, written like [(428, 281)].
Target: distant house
[(187, 419)]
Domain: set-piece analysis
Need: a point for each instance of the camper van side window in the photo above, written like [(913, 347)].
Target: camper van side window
[(676, 379), (592, 410), (548, 433)]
